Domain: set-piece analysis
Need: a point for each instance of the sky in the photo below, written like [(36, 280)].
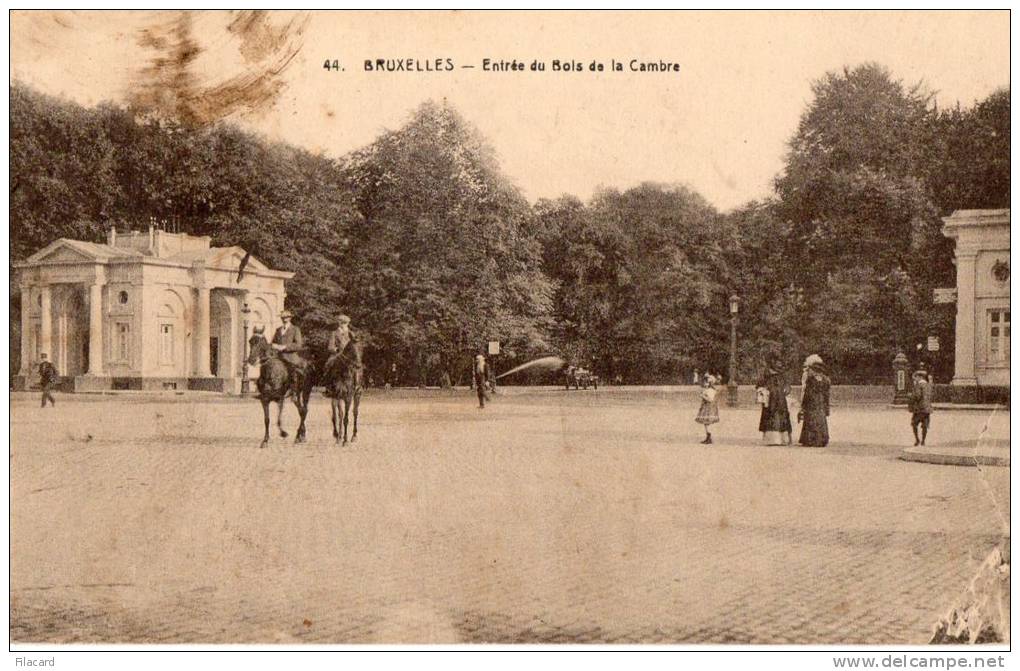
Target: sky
[(719, 125)]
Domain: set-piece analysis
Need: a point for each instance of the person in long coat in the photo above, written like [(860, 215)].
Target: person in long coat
[(775, 424), (814, 411)]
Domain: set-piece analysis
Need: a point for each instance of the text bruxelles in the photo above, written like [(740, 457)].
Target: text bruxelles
[(515, 65)]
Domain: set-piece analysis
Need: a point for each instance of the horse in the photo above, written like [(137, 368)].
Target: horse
[(343, 377), (275, 383)]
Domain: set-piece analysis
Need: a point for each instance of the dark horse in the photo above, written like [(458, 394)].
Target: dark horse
[(275, 383), (343, 377)]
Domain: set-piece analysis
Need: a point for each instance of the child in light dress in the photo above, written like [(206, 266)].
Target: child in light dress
[(708, 413)]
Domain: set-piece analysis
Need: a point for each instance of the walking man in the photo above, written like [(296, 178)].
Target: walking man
[(48, 375), (481, 369), (920, 406)]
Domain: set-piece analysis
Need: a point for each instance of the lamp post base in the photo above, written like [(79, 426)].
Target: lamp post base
[(731, 392)]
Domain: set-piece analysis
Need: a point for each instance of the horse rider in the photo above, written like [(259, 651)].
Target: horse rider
[(287, 341), (339, 338), (341, 335)]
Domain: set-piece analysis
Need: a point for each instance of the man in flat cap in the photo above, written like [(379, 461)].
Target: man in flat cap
[(288, 342), (341, 335), (339, 339), (48, 379), (920, 406)]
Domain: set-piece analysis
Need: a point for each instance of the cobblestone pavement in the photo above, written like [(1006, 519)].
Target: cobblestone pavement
[(548, 517)]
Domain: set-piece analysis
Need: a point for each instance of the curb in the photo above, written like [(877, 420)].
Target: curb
[(951, 459), (956, 406)]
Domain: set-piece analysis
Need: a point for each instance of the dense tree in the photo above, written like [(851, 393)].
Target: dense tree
[(771, 312), (851, 184), (853, 191), (445, 253), (969, 163), (642, 282)]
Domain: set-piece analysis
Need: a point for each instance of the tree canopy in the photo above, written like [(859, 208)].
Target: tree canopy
[(433, 251)]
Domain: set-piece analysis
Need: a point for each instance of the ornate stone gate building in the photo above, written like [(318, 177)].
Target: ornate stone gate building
[(982, 295), (147, 310)]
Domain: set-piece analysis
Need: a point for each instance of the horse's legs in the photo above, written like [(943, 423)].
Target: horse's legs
[(347, 413), (300, 437), (335, 404), (306, 396), (265, 414), (279, 416), (357, 402)]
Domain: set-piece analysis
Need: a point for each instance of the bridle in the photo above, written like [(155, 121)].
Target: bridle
[(265, 351)]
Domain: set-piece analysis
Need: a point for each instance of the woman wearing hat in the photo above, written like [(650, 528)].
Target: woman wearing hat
[(708, 413), (775, 425), (814, 411)]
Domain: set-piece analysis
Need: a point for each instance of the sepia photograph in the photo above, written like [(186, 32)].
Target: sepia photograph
[(445, 329)]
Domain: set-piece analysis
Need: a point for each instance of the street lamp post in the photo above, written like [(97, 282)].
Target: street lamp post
[(731, 386), (245, 385)]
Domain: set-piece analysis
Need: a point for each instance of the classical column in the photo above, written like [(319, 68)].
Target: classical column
[(46, 323), (965, 318), (202, 334), (26, 329), (96, 328)]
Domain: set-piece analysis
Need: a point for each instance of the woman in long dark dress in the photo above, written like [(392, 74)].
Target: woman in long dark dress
[(814, 409), (775, 424)]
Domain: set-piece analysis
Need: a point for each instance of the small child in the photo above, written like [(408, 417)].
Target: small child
[(708, 414), (920, 406)]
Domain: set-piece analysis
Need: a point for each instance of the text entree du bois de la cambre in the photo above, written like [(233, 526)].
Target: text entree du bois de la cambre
[(515, 65)]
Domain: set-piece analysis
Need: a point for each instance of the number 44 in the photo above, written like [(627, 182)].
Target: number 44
[(331, 65)]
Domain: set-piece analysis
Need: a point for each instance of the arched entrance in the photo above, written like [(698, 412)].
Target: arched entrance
[(222, 337), (71, 331)]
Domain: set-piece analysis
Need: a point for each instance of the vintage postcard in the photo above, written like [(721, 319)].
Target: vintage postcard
[(466, 327)]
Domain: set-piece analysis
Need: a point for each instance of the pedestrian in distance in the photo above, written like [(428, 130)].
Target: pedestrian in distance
[(708, 413), (920, 406), (481, 374), (48, 378), (814, 408)]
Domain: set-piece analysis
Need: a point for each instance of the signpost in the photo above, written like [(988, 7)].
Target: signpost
[(944, 295), (933, 343), (493, 351)]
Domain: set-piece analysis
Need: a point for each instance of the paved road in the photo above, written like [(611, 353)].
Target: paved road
[(548, 517)]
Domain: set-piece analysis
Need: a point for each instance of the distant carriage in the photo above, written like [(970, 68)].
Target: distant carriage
[(581, 378)]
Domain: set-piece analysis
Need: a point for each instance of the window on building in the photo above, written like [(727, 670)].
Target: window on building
[(122, 342), (166, 344), (998, 336)]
